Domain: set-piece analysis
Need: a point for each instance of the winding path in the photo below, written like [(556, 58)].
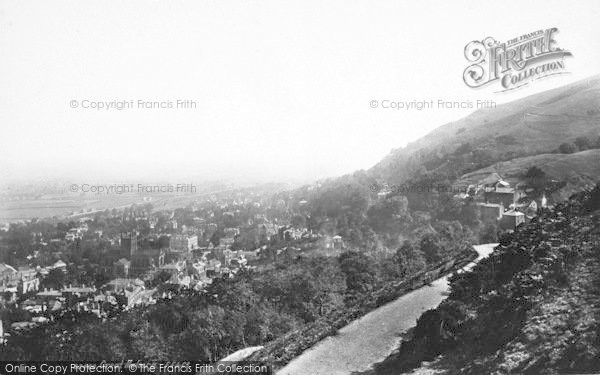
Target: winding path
[(373, 337)]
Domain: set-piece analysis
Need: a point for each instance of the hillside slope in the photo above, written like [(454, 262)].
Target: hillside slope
[(529, 126), (578, 170)]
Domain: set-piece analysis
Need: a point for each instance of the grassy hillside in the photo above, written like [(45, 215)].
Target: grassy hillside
[(579, 170), (532, 125)]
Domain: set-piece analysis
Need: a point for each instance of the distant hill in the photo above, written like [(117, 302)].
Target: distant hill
[(581, 169), (529, 126)]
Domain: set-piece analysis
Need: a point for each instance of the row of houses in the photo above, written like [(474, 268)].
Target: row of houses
[(502, 203), (76, 233), (23, 280)]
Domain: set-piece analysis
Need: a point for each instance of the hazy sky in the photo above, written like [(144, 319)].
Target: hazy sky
[(282, 88)]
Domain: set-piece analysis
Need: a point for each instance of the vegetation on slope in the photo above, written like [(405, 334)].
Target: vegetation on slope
[(576, 170), (529, 126), (532, 307), (249, 309)]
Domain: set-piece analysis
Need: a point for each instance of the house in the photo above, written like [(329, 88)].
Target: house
[(249, 255), (228, 255), (288, 253), (77, 295), (238, 262), (19, 326), (511, 219), (59, 264), (213, 268), (78, 290), (218, 252), (266, 231), (490, 212), (33, 305), (292, 234), (335, 242), (231, 232), (76, 233), (489, 182), (498, 191), (174, 268), (8, 283), (134, 295), (197, 269), (531, 210), (181, 280), (21, 280), (120, 284), (505, 198), (128, 292), (28, 280), (49, 295), (201, 283), (226, 241), (7, 272), (184, 243)]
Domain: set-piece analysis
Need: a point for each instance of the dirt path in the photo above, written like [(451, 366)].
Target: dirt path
[(372, 338)]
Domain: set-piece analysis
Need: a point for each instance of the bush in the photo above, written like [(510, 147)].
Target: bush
[(506, 140), (567, 148), (582, 143)]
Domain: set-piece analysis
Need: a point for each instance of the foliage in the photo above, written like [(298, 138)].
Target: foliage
[(567, 148), (480, 327)]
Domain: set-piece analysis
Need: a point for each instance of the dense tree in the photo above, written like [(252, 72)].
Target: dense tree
[(414, 259), (359, 271), (431, 247), (583, 143), (298, 221), (463, 149), (389, 216), (567, 148), (489, 233), (535, 173), (55, 279)]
